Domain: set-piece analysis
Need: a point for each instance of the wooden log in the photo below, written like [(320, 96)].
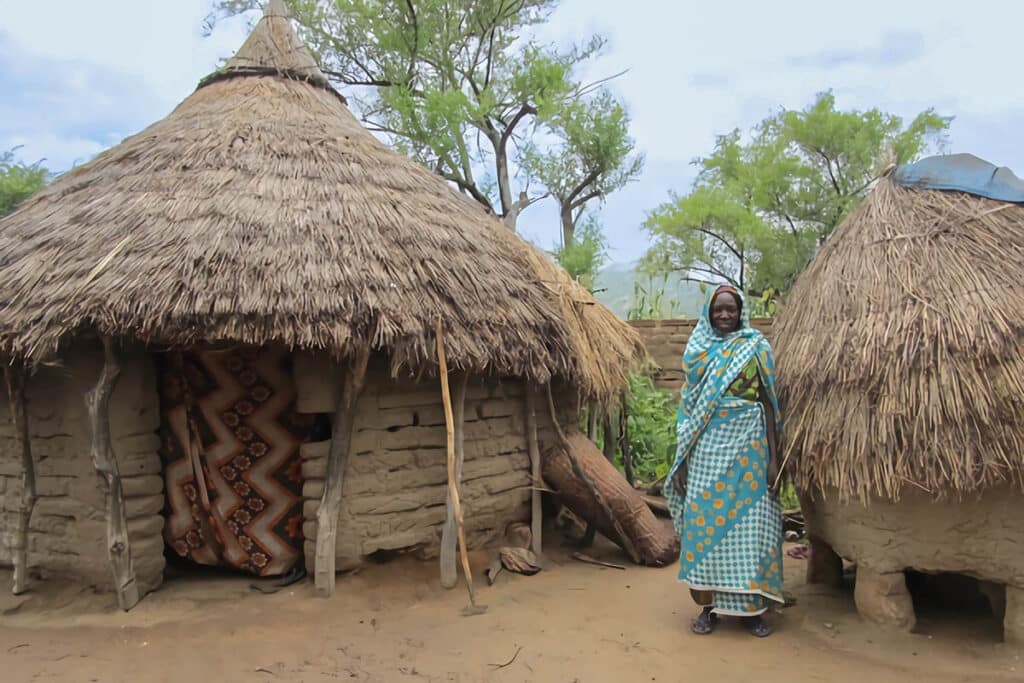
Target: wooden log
[(536, 480), (449, 534), (453, 491), (337, 458), (15, 376), (624, 516), (583, 477), (97, 402)]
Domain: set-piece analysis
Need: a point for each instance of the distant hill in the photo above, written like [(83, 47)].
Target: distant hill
[(621, 288)]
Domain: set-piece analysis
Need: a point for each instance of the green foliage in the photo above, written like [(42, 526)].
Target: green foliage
[(649, 301), (19, 180), (788, 499), (586, 255), (461, 86), (652, 429), (762, 204)]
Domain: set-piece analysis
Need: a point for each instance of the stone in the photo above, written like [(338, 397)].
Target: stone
[(883, 599), (1013, 621)]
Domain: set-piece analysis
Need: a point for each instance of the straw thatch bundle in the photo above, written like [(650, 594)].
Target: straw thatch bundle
[(260, 210), (900, 348)]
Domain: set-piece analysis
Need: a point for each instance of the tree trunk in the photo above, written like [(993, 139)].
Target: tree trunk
[(337, 458), (97, 401), (655, 542), (15, 375), (449, 534), (568, 225)]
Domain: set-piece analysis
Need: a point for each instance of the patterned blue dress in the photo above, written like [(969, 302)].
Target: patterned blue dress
[(729, 523)]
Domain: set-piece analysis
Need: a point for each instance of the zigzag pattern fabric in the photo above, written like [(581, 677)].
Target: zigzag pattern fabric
[(230, 446)]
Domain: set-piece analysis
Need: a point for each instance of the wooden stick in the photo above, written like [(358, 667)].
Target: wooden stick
[(337, 459), (600, 563), (449, 535), (97, 401), (627, 544), (15, 376), (533, 447), (453, 490)]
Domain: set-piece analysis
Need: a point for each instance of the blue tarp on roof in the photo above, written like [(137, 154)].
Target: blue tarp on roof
[(965, 173)]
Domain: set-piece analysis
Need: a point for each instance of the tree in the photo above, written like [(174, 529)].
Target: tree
[(459, 85), (592, 158), (18, 181), (761, 206), (586, 254)]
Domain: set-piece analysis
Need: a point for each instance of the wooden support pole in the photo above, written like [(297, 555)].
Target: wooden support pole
[(15, 376), (449, 534), (97, 401), (627, 452), (536, 480), (453, 490), (337, 458), (611, 432)]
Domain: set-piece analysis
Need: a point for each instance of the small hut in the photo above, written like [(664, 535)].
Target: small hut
[(258, 302), (901, 364)]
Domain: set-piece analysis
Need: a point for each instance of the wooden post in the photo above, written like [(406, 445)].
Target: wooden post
[(453, 491), (97, 401), (15, 375), (611, 435), (337, 458), (533, 448), (627, 452), (449, 535)]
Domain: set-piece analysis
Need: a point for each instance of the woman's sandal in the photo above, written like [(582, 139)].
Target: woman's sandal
[(704, 624), (758, 627)]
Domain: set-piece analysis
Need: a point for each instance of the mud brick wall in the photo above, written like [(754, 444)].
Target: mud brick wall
[(665, 341), (67, 534), (395, 483)]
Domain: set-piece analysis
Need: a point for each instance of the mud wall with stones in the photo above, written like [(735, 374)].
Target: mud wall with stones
[(395, 483), (67, 535), (665, 341)]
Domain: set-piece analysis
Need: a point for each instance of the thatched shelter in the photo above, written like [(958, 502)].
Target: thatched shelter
[(901, 364), (255, 294)]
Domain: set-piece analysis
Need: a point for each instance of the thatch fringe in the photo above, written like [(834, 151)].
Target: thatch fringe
[(261, 211), (900, 349)]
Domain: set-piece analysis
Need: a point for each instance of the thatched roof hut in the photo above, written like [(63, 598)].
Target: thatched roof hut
[(275, 291), (900, 348), (261, 210), (901, 367)]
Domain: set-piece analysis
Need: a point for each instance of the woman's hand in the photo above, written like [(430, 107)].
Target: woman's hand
[(773, 475), (679, 479)]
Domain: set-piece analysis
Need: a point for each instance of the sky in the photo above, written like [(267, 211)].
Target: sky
[(77, 76)]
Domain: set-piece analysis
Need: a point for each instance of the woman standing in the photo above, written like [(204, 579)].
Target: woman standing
[(722, 500)]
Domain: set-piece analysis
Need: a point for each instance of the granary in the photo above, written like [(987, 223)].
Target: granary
[(901, 364), (223, 339)]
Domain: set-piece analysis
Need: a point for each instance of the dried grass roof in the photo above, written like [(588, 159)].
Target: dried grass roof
[(901, 349), (260, 210)]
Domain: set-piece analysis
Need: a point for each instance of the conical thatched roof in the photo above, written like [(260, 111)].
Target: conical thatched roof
[(260, 210), (901, 348)]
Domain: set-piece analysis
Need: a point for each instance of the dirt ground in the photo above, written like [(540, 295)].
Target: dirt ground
[(573, 622)]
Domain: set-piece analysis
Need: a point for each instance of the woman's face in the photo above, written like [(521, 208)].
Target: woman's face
[(725, 313)]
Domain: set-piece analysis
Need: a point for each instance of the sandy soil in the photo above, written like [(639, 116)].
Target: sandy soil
[(573, 622)]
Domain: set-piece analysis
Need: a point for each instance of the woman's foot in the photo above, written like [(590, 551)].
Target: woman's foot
[(704, 623), (758, 627)]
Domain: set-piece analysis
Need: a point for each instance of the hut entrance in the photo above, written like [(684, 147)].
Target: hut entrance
[(957, 602), (230, 441)]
